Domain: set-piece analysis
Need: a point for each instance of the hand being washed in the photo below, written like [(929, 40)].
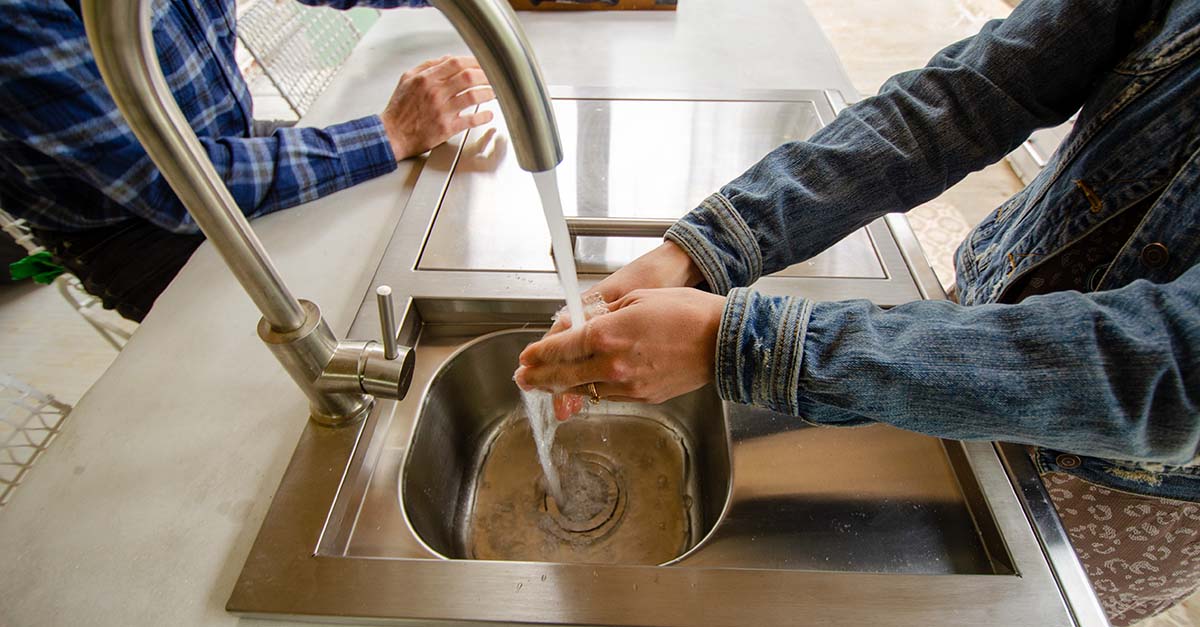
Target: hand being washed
[(665, 266), (655, 345)]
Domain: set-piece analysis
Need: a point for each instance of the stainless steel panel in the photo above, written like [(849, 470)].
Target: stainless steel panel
[(399, 266), (336, 542), (864, 525), (622, 159)]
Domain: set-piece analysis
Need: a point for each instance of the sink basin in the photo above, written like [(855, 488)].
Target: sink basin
[(650, 482)]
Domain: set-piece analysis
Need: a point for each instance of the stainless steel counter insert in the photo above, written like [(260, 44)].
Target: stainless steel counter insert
[(638, 158)]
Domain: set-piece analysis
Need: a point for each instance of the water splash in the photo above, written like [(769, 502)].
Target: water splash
[(539, 409)]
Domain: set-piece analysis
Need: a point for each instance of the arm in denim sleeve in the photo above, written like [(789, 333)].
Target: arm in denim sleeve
[(1112, 374), (972, 104)]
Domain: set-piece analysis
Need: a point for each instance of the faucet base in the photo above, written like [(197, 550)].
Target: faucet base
[(306, 353)]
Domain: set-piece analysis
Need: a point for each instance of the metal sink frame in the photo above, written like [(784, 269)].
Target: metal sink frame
[(945, 532)]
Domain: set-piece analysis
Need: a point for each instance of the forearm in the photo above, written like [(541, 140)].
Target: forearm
[(1114, 374), (263, 174), (973, 103), (298, 165)]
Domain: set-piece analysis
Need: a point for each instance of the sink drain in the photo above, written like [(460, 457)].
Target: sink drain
[(593, 500), (626, 484)]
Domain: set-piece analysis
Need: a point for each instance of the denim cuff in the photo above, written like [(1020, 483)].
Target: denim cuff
[(720, 243), (760, 349)]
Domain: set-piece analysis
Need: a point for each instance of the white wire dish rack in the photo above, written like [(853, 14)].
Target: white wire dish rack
[(29, 422), (299, 48)]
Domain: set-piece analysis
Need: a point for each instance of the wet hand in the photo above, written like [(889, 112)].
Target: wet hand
[(654, 345), (665, 266), (427, 105)]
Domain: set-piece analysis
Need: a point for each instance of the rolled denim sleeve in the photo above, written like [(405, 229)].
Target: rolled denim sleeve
[(974, 102), (1113, 374)]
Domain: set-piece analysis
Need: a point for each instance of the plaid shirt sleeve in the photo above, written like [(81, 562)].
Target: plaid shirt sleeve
[(297, 165), (59, 128)]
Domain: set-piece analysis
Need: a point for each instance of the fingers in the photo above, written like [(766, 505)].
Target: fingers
[(609, 293), (609, 289), (471, 98), (425, 65), (464, 80), (567, 405), (606, 391), (446, 67), (471, 120), (627, 300), (561, 323), (562, 347), (560, 376)]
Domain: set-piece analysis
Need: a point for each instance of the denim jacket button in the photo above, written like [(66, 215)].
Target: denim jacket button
[(1068, 461), (1155, 255)]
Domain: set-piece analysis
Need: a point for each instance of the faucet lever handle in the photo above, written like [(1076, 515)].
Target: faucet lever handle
[(387, 321)]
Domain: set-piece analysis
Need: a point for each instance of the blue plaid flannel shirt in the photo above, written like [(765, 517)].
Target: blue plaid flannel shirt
[(68, 161)]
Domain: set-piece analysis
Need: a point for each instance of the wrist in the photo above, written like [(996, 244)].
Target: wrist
[(395, 139), (687, 272)]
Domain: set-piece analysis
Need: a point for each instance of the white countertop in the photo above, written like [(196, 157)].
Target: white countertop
[(144, 509)]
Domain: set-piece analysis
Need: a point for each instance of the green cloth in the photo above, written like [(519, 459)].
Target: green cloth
[(38, 266)]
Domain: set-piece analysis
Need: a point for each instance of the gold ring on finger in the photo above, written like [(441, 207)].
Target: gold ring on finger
[(595, 396)]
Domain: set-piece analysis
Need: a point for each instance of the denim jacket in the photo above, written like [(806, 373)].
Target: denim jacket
[(1107, 381)]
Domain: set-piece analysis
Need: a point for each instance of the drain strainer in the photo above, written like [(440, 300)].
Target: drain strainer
[(593, 500)]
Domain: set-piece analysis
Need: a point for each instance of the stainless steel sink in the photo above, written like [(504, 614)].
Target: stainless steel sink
[(470, 488), (413, 514), (451, 474)]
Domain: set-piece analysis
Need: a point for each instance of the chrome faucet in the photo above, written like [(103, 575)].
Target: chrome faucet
[(338, 377)]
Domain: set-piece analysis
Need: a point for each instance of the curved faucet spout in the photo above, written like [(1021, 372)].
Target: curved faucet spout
[(495, 37)]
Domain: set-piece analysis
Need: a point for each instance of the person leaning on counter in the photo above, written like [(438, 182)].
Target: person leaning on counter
[(72, 168), (1076, 326)]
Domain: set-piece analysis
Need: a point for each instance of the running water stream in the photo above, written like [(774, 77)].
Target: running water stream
[(560, 241), (539, 406)]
